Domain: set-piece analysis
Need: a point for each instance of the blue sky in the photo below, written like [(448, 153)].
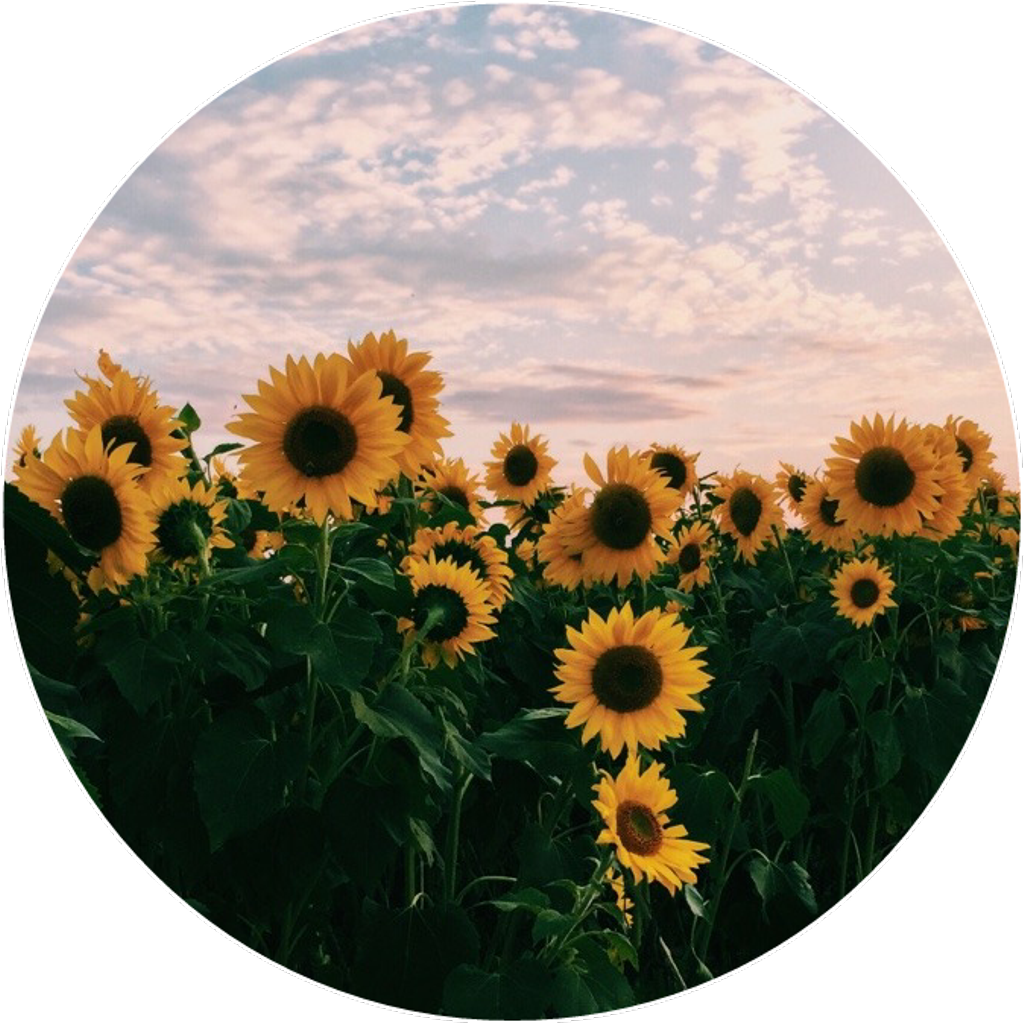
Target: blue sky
[(608, 229)]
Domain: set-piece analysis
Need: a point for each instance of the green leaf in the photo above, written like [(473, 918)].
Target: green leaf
[(570, 995), (189, 418), (694, 900), (789, 802), (241, 772), (550, 924), (522, 899), (23, 514), (886, 748), (373, 570), (609, 988), (824, 726), (470, 755), (69, 729), (363, 844), (933, 725), (143, 669), (861, 679), (518, 992), (223, 449), (538, 738), (782, 883), (621, 949)]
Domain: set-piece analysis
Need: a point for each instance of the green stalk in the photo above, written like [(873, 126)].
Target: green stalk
[(785, 558), (451, 853)]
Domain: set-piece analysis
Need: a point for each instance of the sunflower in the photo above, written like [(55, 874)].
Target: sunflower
[(412, 388), (95, 494), (792, 482), (469, 546), (885, 478), (561, 557), (455, 599), (689, 556), (451, 479), (188, 521), (523, 466), (628, 679), (127, 411), (633, 807), (622, 901), (323, 434), (261, 543), (861, 590), (974, 448), (747, 512), (28, 444), (951, 477), (820, 513), (616, 537), (678, 467)]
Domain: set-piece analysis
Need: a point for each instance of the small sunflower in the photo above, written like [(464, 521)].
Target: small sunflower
[(792, 482), (457, 599), (632, 807), (820, 513), (950, 476), (468, 546), (451, 479), (885, 477), (628, 679), (677, 466), (128, 412), (689, 556), (412, 388), (95, 494), (28, 444), (323, 434), (861, 590), (632, 507), (562, 557), (974, 448), (622, 901), (523, 466), (747, 512), (187, 521), (261, 543)]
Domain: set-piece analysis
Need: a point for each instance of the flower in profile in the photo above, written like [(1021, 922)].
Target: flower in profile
[(747, 512), (188, 521), (678, 467), (28, 444), (628, 679), (128, 412), (452, 480), (451, 604), (95, 494), (469, 546), (955, 493), (885, 477), (689, 555), (522, 468), (323, 435), (622, 901), (861, 590), (632, 507), (973, 446), (562, 557), (633, 808), (792, 482), (412, 388), (820, 513)]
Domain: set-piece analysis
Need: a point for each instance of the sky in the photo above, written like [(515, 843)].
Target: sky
[(609, 230)]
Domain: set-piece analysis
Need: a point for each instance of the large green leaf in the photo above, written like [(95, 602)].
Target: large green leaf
[(358, 818), (143, 668), (520, 991), (824, 726), (538, 738), (886, 748), (788, 801)]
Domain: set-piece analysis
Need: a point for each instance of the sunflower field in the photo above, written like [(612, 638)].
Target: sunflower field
[(497, 748)]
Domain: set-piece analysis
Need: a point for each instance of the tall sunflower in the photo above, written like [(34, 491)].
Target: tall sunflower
[(95, 494), (885, 477), (628, 679), (456, 599), (632, 507), (323, 434), (974, 448), (452, 480), (792, 482), (28, 444), (633, 808), (689, 556), (561, 557), (951, 477), (747, 512), (128, 412), (412, 388), (522, 468), (188, 521), (861, 590), (472, 547), (676, 465), (820, 513)]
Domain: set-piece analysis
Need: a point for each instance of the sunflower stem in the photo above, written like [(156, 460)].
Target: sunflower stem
[(785, 558), (451, 853), (323, 566), (202, 552)]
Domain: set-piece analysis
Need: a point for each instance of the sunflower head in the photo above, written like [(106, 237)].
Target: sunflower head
[(974, 447), (820, 513), (188, 521), (689, 556), (633, 807), (862, 590), (450, 479), (558, 549), (792, 482), (747, 511), (628, 679), (521, 468), (677, 466), (955, 491), (28, 444)]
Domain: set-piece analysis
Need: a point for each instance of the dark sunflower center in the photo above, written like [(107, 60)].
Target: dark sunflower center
[(452, 608), (520, 465), (248, 537), (796, 485), (455, 494), (864, 593), (965, 453), (620, 516), (745, 510), (319, 441), (689, 557), (626, 678), (176, 529), (395, 389), (226, 488), (127, 430), (637, 828), (92, 513), (828, 509), (462, 554), (670, 465), (884, 477)]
